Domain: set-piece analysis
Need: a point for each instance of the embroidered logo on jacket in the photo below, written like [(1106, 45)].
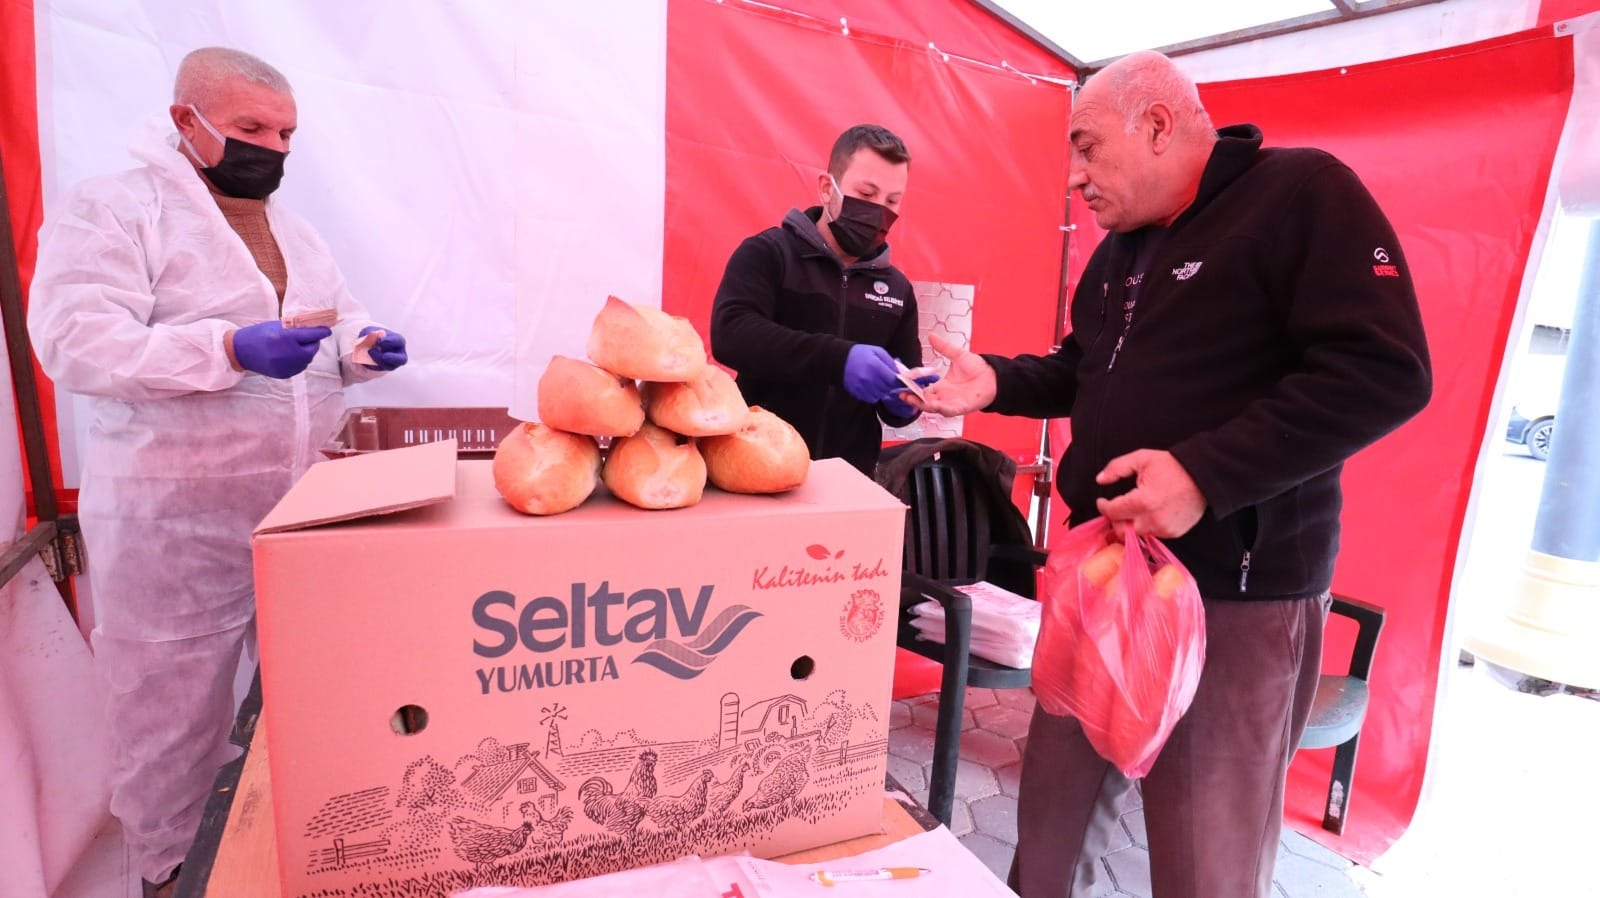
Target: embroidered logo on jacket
[(1386, 271), (1189, 270)]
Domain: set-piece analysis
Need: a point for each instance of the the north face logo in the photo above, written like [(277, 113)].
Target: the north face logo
[(1189, 270)]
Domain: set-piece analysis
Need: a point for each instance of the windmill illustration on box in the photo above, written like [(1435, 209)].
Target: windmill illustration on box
[(553, 714)]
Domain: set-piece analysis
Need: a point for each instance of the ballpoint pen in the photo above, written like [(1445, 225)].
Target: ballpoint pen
[(838, 877)]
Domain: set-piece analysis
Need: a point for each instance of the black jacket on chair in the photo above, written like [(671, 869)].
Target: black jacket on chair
[(994, 473)]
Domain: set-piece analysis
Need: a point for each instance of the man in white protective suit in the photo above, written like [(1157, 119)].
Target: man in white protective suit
[(159, 294)]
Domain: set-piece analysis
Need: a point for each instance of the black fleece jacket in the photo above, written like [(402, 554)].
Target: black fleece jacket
[(785, 316), (1275, 334)]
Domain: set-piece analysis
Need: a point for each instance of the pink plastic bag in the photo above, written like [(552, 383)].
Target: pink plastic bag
[(1120, 647)]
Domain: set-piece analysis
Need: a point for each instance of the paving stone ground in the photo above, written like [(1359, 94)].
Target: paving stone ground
[(985, 813)]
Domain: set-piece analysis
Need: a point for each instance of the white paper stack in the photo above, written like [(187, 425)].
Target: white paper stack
[(1005, 626)]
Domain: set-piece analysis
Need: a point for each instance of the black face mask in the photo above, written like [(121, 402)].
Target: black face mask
[(246, 170), (861, 226)]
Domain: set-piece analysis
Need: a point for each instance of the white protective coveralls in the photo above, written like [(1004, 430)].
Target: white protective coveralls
[(139, 276)]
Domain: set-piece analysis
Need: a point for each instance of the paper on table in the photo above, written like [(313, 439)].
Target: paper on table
[(955, 872), (362, 353)]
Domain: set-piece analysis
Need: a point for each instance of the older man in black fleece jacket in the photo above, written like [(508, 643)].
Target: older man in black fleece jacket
[(1248, 324)]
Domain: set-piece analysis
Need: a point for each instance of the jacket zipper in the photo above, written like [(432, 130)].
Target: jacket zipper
[(1127, 325), (1244, 570), (1105, 298), (1105, 303), (844, 309)]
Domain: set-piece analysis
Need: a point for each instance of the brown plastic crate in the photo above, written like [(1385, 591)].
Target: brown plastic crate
[(477, 431)]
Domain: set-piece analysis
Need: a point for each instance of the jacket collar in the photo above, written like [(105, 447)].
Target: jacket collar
[(803, 224), (1234, 152)]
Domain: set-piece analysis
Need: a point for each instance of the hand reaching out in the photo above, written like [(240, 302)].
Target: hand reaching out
[(968, 386)]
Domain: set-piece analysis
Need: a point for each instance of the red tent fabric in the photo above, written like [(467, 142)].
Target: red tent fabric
[(746, 138), (958, 27), (19, 151)]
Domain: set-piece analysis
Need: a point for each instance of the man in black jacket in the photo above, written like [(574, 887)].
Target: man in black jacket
[(812, 316), (1248, 324)]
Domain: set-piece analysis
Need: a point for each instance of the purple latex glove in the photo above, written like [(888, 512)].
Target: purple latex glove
[(276, 351), (389, 353), (869, 372), (899, 408)]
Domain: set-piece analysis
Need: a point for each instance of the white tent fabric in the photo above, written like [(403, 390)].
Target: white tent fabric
[(1579, 162), (522, 145), (1416, 30), (55, 783), (55, 760)]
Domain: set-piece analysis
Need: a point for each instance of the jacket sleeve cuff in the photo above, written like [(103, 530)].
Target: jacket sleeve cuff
[(227, 347), (1196, 457), (829, 361), (1005, 402), (894, 420)]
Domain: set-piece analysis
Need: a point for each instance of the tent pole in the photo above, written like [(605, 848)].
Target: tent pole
[(47, 539)]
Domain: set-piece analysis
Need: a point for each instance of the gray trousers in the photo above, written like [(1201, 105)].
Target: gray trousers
[(1213, 802)]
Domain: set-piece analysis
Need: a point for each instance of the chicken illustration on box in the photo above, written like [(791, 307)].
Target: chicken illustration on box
[(783, 781), (720, 795), (728, 790), (482, 844), (547, 831), (621, 812), (677, 811)]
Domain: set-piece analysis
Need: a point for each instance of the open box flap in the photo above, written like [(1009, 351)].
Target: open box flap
[(367, 485)]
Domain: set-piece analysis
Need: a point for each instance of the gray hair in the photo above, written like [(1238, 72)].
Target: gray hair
[(203, 72), (1139, 80)]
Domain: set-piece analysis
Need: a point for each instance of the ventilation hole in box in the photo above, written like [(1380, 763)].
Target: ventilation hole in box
[(409, 719), (802, 667)]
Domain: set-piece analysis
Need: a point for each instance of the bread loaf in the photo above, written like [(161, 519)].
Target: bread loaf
[(709, 405), (646, 343), (541, 470), (652, 469), (579, 398), (766, 455)]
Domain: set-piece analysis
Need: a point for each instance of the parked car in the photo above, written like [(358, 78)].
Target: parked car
[(1535, 393), (1533, 432)]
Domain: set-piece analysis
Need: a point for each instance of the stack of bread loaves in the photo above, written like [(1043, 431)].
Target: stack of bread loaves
[(686, 407)]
